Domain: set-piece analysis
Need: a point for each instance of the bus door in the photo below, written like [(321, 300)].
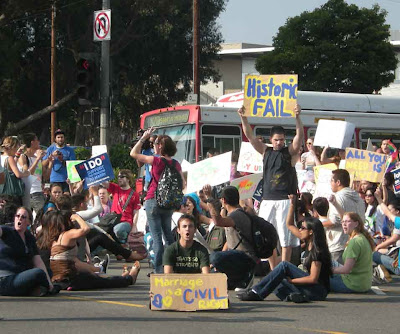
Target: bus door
[(222, 138)]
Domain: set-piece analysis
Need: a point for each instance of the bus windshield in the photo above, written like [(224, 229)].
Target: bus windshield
[(184, 137)]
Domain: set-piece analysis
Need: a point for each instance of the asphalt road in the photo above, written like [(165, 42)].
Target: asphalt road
[(126, 311)]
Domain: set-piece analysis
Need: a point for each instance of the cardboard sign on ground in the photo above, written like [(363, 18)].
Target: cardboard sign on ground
[(270, 95), (188, 292), (249, 159), (365, 165), (343, 131)]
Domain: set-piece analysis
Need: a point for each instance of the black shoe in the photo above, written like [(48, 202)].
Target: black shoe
[(298, 298), (149, 274), (103, 265), (249, 295)]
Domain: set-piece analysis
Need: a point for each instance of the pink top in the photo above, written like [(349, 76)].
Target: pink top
[(119, 198), (156, 171)]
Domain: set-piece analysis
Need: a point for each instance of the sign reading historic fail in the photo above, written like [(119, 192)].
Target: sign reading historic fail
[(188, 292), (270, 95)]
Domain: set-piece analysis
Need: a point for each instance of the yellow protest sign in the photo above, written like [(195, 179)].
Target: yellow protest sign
[(365, 165), (270, 95), (319, 167), (188, 292)]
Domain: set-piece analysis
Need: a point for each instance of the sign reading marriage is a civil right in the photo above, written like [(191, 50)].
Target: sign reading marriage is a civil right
[(270, 95)]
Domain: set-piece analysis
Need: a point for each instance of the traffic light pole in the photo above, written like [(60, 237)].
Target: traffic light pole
[(105, 86)]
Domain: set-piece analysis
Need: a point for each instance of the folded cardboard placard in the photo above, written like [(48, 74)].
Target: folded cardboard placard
[(188, 292)]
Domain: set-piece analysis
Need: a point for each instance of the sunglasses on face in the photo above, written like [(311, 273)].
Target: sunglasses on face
[(121, 176), (20, 216)]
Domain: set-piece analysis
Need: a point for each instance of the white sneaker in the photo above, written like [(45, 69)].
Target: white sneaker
[(103, 265), (249, 285)]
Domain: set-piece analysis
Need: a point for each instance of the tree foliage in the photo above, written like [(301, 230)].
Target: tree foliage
[(151, 56), (337, 47)]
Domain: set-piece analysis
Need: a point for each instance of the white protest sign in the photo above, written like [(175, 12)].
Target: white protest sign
[(98, 149), (185, 165), (246, 185), (249, 159), (213, 171), (336, 134), (323, 185)]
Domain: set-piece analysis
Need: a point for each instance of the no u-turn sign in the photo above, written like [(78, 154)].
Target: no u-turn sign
[(102, 25)]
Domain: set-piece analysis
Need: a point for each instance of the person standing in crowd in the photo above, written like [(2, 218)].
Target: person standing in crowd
[(239, 260), (186, 255), (159, 219), (384, 148), (310, 158), (22, 271), (355, 275), (55, 160), (125, 202), (345, 199), (31, 161), (11, 150), (279, 177)]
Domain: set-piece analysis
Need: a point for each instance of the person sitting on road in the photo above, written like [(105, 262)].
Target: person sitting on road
[(291, 283), (60, 235), (186, 255), (355, 275), (22, 271)]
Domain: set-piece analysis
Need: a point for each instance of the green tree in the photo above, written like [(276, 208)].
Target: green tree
[(337, 47), (151, 57)]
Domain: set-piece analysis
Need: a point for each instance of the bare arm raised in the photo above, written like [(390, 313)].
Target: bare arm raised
[(248, 131), (298, 139)]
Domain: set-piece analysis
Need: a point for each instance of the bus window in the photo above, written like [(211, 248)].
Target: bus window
[(377, 136), (184, 137), (221, 137)]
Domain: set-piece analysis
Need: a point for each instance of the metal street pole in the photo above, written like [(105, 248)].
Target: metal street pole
[(105, 86), (196, 42), (53, 72)]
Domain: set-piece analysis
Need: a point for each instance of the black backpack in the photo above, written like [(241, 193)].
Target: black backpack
[(169, 188), (264, 235)]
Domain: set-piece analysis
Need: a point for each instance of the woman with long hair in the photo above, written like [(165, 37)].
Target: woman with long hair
[(291, 283), (60, 235), (159, 219), (374, 217), (11, 151), (356, 273)]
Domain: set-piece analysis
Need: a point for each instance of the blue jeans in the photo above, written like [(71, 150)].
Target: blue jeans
[(237, 265), (24, 283), (387, 262), (121, 231), (159, 221), (337, 284), (276, 282)]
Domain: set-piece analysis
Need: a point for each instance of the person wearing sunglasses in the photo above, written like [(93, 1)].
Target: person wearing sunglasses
[(125, 202), (290, 283), (149, 148), (22, 271)]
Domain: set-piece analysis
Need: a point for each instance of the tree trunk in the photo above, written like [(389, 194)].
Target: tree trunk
[(39, 114)]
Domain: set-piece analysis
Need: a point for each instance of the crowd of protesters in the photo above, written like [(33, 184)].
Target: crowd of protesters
[(50, 236)]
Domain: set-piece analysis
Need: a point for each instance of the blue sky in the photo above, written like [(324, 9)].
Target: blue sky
[(257, 21)]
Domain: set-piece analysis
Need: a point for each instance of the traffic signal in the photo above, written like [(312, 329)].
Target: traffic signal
[(87, 80)]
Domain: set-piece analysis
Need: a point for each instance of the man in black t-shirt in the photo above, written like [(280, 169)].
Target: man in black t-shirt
[(239, 260), (186, 255), (279, 178)]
